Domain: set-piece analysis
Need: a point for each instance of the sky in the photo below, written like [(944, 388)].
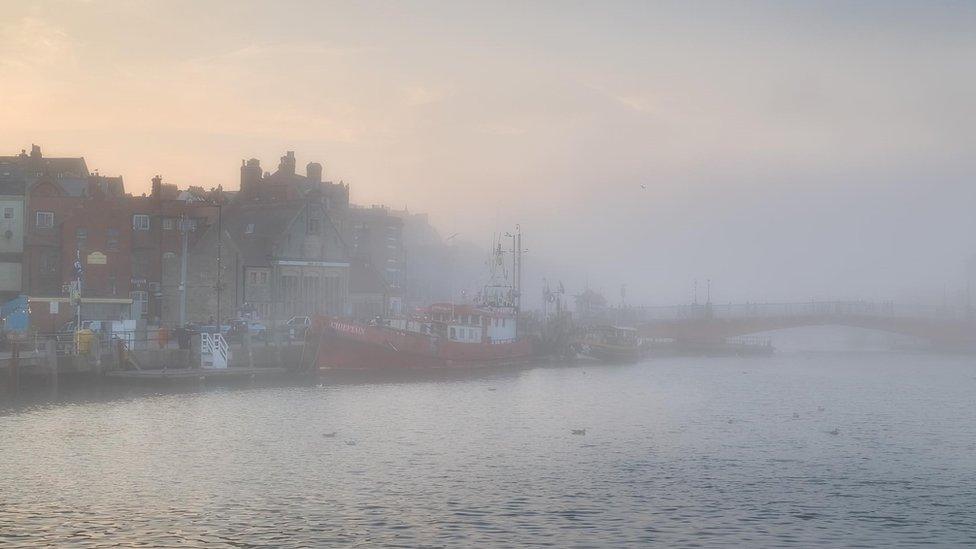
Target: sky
[(782, 150)]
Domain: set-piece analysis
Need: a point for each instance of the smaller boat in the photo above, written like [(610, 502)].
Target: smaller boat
[(611, 344)]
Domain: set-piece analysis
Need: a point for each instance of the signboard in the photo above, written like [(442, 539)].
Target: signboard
[(97, 258), (53, 307)]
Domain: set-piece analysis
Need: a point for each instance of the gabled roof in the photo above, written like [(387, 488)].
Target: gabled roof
[(12, 179), (74, 186), (53, 167), (256, 228)]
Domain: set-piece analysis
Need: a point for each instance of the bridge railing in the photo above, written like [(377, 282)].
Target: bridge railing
[(885, 309)]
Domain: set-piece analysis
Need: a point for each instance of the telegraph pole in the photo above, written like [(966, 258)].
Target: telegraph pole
[(219, 235), (183, 230)]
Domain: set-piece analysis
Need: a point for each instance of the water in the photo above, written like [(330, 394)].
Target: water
[(678, 452)]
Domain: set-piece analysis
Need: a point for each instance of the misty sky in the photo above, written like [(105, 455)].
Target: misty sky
[(790, 150)]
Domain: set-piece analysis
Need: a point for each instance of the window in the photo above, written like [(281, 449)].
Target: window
[(314, 225), (112, 239), (8, 212), (140, 222), (81, 235), (257, 277), (141, 264), (50, 262), (45, 220), (167, 223), (112, 284), (140, 304), (249, 228), (453, 333)]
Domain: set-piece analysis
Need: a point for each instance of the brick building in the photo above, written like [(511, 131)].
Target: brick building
[(123, 243)]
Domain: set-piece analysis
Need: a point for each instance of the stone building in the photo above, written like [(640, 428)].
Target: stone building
[(279, 258), (287, 185)]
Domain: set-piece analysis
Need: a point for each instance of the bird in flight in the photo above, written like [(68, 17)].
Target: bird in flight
[(644, 185)]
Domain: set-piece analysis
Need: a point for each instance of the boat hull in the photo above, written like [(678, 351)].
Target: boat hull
[(349, 345), (611, 353)]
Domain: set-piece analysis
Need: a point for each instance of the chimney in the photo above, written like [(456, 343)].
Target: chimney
[(35, 151), (250, 175), (157, 187), (313, 171), (287, 165)]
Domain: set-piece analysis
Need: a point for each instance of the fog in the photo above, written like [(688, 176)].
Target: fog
[(783, 151), (749, 248)]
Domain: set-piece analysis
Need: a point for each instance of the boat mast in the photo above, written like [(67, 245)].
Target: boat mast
[(518, 270)]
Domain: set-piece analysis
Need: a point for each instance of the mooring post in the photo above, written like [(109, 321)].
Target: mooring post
[(247, 348), (277, 348), (51, 351), (14, 366), (97, 351)]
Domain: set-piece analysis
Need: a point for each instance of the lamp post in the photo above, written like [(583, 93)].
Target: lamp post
[(219, 266)]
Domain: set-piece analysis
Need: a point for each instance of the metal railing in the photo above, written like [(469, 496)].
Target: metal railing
[(885, 309), (67, 343)]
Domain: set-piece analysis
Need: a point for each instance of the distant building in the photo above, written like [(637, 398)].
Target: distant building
[(369, 294), (375, 237)]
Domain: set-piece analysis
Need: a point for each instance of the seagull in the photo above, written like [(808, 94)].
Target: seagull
[(834, 432), (350, 442), (644, 185)]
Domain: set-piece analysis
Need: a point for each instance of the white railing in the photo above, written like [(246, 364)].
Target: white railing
[(214, 352)]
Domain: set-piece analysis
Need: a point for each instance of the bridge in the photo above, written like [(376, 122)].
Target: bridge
[(951, 328)]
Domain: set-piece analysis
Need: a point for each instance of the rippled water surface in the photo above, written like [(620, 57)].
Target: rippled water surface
[(838, 449)]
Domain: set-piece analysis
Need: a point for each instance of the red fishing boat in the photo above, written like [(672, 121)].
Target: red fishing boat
[(442, 335)]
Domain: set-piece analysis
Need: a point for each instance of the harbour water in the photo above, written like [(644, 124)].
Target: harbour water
[(868, 448)]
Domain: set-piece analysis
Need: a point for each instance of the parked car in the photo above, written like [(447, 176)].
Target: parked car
[(239, 327), (198, 328)]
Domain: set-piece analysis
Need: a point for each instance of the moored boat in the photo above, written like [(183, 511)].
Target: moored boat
[(442, 335), (611, 344)]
